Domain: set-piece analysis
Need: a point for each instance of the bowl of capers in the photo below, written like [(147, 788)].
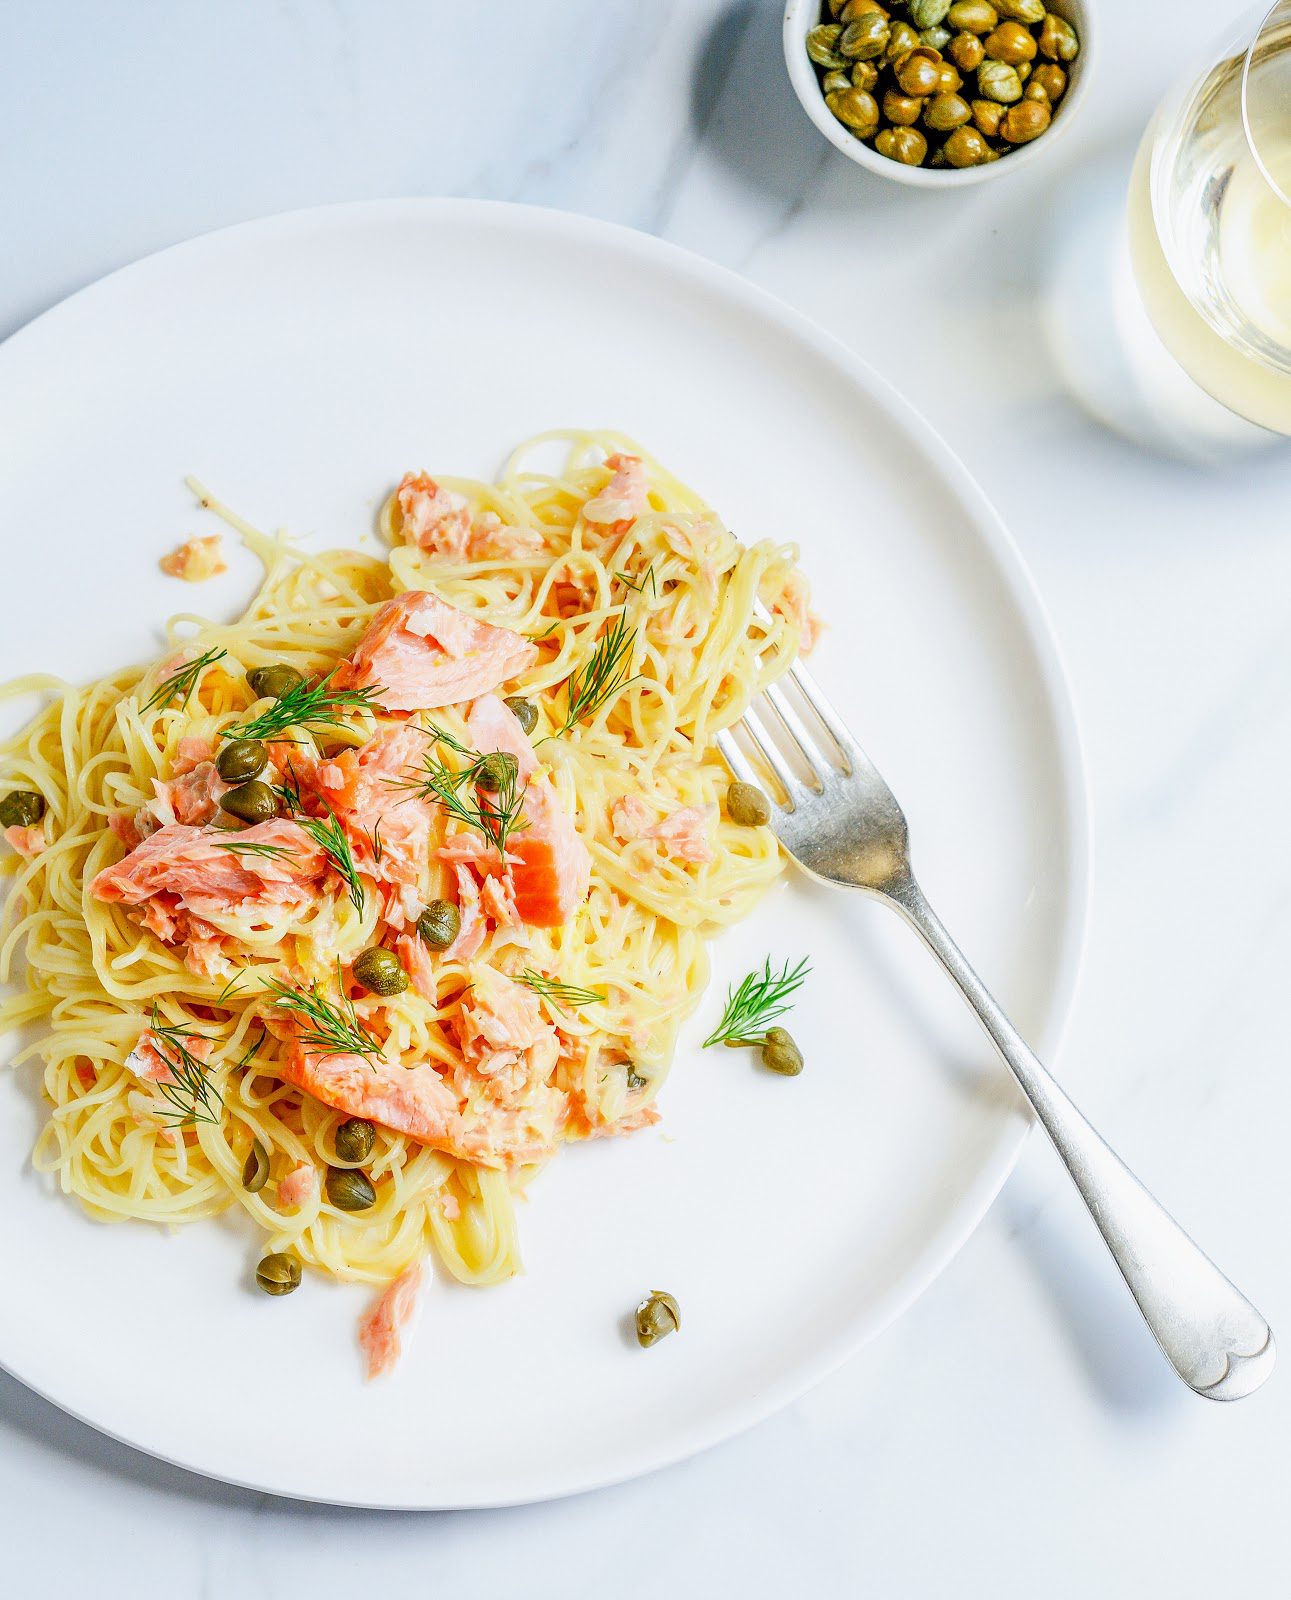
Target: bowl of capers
[(939, 92)]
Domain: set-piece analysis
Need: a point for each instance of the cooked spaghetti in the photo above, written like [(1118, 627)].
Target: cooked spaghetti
[(468, 919)]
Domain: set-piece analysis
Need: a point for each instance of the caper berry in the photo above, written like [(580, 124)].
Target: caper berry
[(1050, 77), (902, 38), (658, 1315), (439, 924), (20, 808), (1021, 10), (906, 145), (350, 1189), (278, 1273), (747, 805), (987, 116), (822, 45), (856, 109), (241, 759), (919, 73), (255, 1170), (780, 1053), (1058, 38), (865, 38), (973, 16), (966, 51), (1025, 121), (903, 110), (379, 972), (997, 80), (252, 802), (928, 13), (966, 148), (272, 682), (945, 112), (1010, 42), (353, 1140), (497, 769)]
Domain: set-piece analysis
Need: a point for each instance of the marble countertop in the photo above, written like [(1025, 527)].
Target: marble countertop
[(1015, 1433)]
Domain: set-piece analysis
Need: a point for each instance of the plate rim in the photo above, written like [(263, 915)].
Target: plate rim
[(1028, 603)]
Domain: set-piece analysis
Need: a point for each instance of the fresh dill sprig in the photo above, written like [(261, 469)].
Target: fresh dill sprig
[(190, 1089), (756, 1003), (231, 987), (647, 578), (559, 994), (497, 814), (537, 638), (605, 674), (245, 1059), (254, 847), (330, 838), (374, 838), (181, 683), (303, 707), (333, 1027)]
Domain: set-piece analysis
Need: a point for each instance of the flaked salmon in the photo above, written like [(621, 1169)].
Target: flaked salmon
[(422, 653), (381, 1329)]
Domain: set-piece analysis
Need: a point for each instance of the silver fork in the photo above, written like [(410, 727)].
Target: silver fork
[(844, 826)]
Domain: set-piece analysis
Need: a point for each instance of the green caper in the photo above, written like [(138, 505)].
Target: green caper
[(272, 682), (241, 759), (919, 73), (780, 1053), (972, 16), (966, 51), (945, 112), (1025, 121), (1020, 10), (987, 116), (439, 924), (948, 79), (658, 1315), (966, 148), (1058, 39), (20, 808), (856, 109), (865, 38), (1050, 77), (902, 38), (997, 80), (822, 45), (938, 38), (278, 1273), (379, 971), (1010, 42), (906, 145), (497, 769), (252, 802), (831, 83), (255, 1170), (864, 75), (353, 1139), (747, 805), (350, 1189), (928, 13), (903, 110), (635, 1080)]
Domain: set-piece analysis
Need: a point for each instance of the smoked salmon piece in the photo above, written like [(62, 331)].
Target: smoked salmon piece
[(440, 523), (189, 864), (623, 498), (380, 1329), (550, 868), (411, 1100), (422, 653)]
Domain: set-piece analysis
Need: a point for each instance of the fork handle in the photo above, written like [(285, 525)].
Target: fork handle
[(1213, 1337)]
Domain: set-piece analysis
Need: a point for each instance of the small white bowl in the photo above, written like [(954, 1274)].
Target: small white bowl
[(802, 15)]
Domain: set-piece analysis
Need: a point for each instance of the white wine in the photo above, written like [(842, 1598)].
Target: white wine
[(1210, 234)]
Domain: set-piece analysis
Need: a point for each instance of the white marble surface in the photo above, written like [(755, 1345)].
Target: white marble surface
[(1015, 1434)]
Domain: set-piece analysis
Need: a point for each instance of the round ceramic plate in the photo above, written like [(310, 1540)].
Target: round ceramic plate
[(298, 366)]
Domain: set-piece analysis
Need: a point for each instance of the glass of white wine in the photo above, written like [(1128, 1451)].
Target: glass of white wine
[(1180, 336), (1210, 225)]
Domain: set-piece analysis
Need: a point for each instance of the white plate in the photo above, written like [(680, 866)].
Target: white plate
[(298, 366)]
